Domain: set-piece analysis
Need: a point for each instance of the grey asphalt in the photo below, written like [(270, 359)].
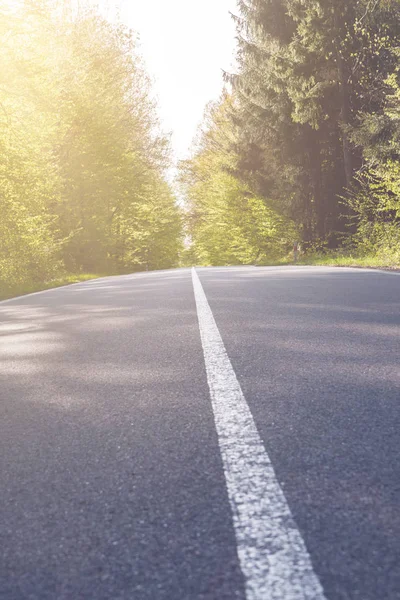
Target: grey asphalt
[(111, 480)]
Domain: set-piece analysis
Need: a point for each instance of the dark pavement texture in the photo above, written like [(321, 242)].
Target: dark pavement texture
[(111, 481)]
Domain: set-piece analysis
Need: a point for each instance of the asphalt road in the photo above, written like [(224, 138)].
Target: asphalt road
[(124, 477)]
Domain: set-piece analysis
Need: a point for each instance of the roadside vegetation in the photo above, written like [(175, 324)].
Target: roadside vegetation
[(305, 144), (336, 259), (31, 287), (82, 158)]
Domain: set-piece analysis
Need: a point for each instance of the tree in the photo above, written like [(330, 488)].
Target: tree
[(227, 222), (307, 70), (83, 162)]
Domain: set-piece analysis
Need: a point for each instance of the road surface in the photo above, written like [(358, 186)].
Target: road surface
[(226, 433)]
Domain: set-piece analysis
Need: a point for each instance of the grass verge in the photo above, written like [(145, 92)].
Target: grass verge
[(28, 288), (338, 259), (341, 260)]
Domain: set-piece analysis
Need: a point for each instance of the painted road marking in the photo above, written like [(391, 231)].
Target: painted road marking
[(272, 554)]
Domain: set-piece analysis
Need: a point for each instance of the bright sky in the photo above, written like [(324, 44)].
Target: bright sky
[(185, 44)]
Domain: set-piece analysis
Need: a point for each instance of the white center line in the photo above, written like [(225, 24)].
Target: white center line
[(272, 554)]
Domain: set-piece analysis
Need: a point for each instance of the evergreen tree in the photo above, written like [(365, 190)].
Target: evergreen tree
[(307, 69)]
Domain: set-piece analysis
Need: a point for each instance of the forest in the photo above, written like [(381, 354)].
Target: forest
[(83, 161), (304, 144)]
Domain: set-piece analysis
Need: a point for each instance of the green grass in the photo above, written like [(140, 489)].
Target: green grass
[(341, 260), (27, 288)]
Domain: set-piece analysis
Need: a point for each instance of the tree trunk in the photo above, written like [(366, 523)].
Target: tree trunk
[(314, 152), (344, 93), (345, 120)]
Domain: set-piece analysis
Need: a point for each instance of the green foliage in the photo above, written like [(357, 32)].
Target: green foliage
[(310, 101), (82, 161), (227, 223), (376, 200), (13, 289), (308, 144)]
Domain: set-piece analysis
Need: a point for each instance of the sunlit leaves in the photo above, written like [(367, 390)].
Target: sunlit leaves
[(82, 160), (227, 222)]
